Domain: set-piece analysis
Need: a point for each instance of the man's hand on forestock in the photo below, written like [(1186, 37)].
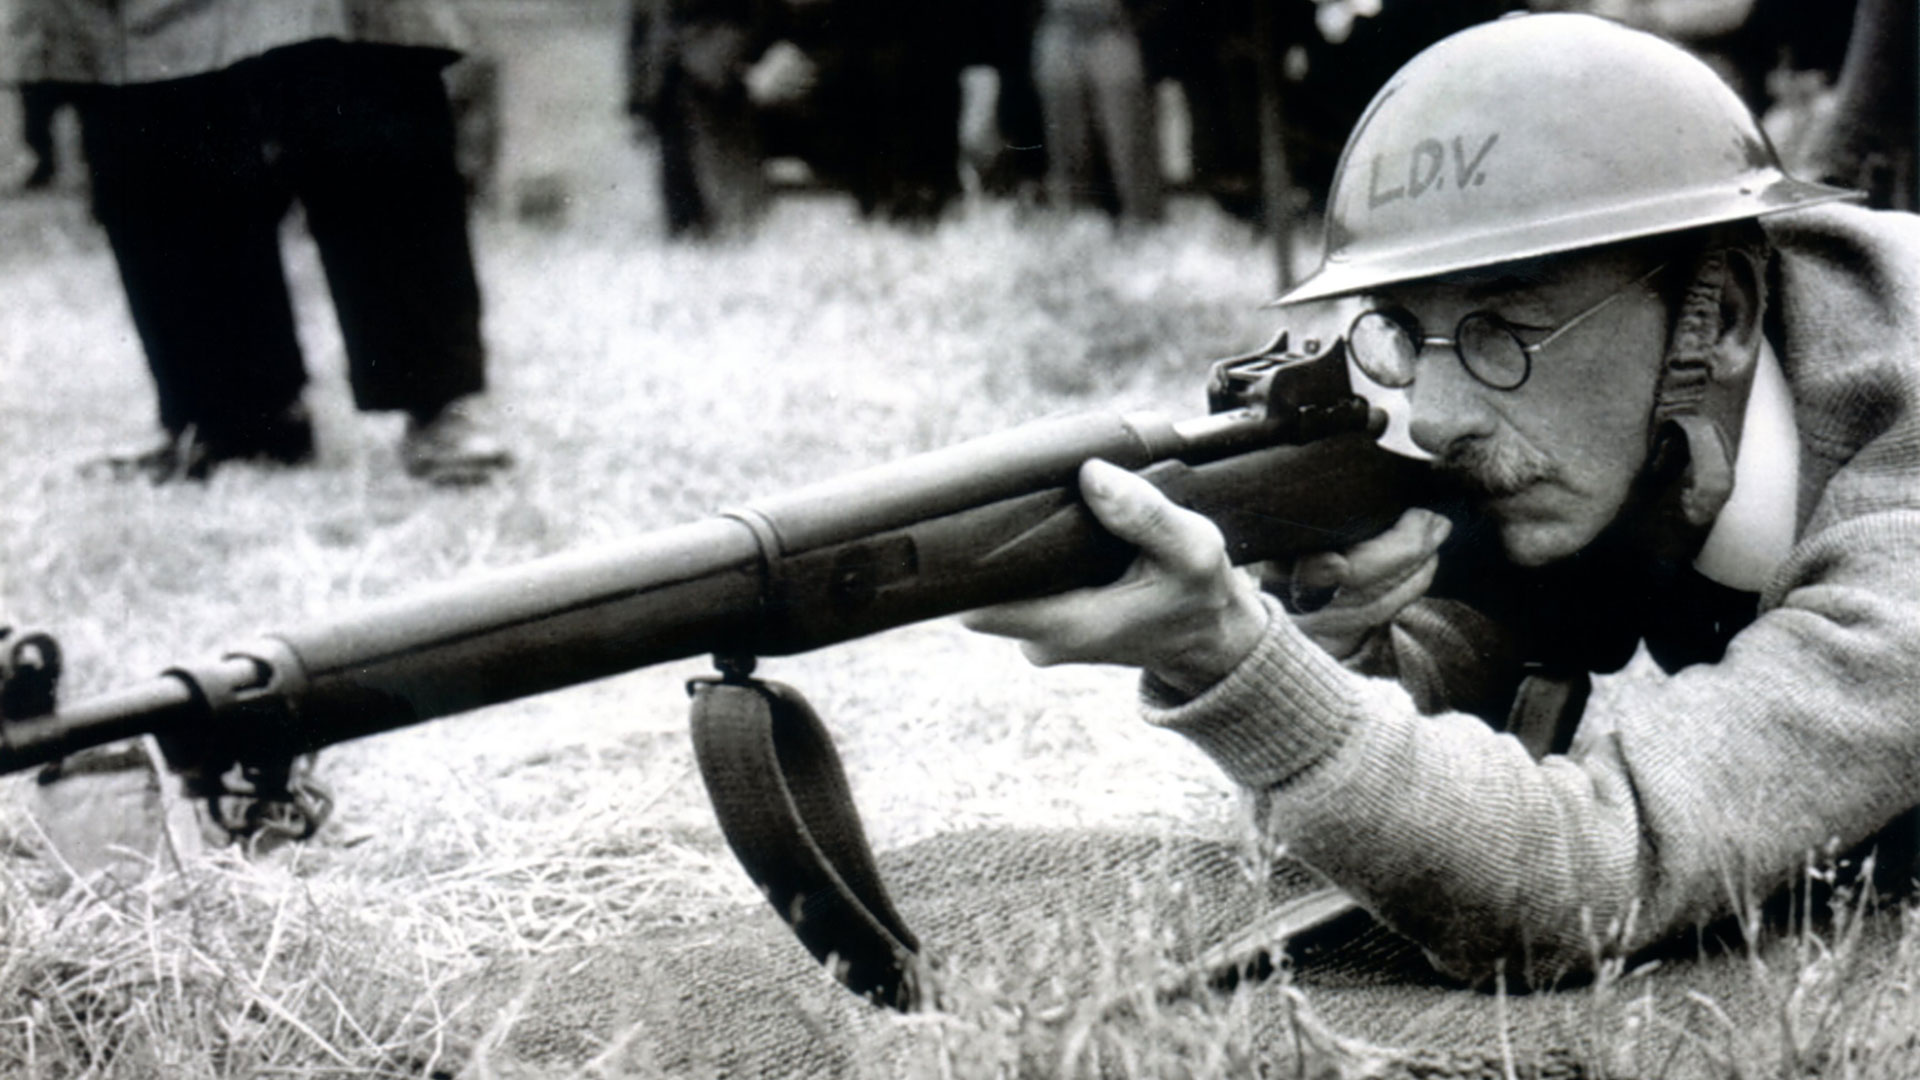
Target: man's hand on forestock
[(1340, 599), (1182, 611)]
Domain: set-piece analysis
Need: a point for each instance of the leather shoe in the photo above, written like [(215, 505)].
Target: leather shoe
[(179, 455), (193, 454), (453, 446)]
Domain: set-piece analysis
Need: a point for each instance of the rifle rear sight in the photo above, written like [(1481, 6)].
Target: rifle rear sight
[(1306, 390)]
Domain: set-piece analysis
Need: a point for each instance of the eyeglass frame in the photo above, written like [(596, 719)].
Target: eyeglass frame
[(1421, 341)]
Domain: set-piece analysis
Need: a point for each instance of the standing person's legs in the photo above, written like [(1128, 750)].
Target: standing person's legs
[(717, 118), (921, 142), (687, 211), (368, 147), (367, 142), (39, 101), (1123, 110), (725, 162), (193, 218), (1021, 128), (1058, 78)]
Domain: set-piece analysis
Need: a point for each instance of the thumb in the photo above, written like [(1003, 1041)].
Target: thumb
[(1129, 507)]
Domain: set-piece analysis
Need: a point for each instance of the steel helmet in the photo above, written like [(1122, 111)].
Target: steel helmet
[(1537, 134)]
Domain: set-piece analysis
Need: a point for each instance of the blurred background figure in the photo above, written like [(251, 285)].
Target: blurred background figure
[(881, 117), (202, 122), (40, 105), (1101, 126), (865, 93), (1211, 50), (688, 63), (1325, 60), (1003, 135), (473, 93)]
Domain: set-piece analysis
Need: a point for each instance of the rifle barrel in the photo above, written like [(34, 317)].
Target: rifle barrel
[(157, 704)]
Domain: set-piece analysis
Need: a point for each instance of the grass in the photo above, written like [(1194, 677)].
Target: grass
[(643, 385)]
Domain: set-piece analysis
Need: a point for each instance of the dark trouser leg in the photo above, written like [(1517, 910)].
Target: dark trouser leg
[(724, 156), (193, 219), (39, 101), (1018, 111), (915, 132), (687, 213), (367, 137)]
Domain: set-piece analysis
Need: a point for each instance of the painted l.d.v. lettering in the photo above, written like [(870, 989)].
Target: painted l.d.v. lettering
[(1426, 170)]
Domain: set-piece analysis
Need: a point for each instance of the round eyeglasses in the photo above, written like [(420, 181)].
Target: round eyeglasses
[(1385, 342)]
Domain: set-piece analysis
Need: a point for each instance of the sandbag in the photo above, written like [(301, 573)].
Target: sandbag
[(1074, 953)]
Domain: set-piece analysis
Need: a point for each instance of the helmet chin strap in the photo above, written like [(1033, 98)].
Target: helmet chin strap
[(1699, 407)]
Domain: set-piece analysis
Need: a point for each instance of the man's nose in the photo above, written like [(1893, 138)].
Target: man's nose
[(1445, 403)]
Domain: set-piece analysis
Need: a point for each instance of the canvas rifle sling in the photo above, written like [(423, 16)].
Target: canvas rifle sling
[(782, 799)]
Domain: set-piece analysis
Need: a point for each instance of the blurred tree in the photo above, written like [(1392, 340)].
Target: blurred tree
[(1870, 137)]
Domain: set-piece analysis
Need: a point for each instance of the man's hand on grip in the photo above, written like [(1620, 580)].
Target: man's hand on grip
[(1182, 611), (1340, 599)]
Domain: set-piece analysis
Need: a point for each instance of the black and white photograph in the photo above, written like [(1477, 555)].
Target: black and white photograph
[(959, 539)]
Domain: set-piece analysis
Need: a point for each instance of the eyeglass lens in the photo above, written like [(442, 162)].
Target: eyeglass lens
[(1384, 348), (1490, 350), (1387, 348)]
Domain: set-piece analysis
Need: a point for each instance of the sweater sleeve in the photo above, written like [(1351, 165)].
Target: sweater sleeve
[(1685, 795)]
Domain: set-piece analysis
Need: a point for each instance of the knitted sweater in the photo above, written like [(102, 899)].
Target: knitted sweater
[(1683, 797)]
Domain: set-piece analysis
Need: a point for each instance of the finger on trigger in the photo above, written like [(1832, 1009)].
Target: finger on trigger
[(1316, 579), (1322, 570), (1394, 553), (1340, 628)]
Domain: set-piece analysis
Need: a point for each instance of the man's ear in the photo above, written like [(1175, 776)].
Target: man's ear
[(1742, 307)]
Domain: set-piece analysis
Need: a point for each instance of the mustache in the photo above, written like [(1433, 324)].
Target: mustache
[(1495, 468)]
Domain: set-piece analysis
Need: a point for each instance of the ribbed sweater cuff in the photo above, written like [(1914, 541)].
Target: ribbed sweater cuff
[(1284, 710)]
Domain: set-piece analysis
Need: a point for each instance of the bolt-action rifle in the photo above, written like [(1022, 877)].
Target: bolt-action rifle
[(1285, 463)]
